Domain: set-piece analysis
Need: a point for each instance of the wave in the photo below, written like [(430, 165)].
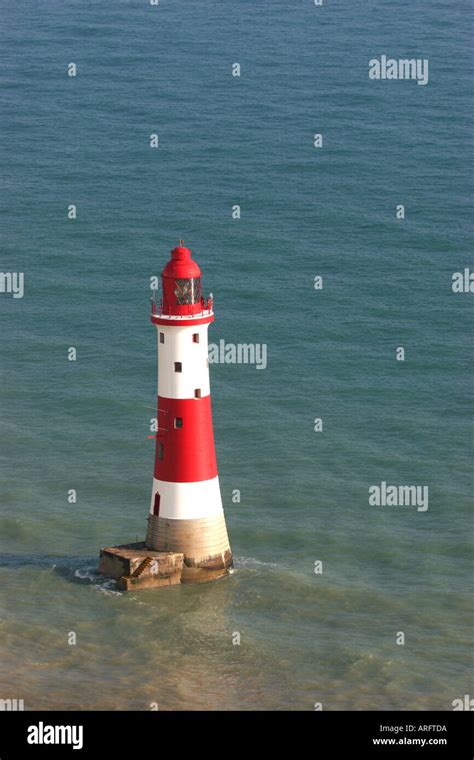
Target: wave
[(251, 563), (91, 575)]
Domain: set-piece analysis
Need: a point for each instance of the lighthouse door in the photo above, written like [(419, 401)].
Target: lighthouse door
[(156, 504)]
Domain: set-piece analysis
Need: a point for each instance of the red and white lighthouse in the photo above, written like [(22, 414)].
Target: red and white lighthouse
[(186, 513)]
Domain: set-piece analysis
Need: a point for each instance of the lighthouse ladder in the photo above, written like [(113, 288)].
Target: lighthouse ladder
[(141, 567)]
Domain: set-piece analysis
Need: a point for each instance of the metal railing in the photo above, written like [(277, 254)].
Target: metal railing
[(206, 308)]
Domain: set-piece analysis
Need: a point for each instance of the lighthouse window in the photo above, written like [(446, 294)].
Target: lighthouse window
[(162, 337), (178, 422), (160, 450), (178, 367), (197, 393), (188, 291), (195, 337)]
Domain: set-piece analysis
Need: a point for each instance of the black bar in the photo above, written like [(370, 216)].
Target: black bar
[(315, 734)]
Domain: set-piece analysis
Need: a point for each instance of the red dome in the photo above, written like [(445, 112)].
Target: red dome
[(181, 264)]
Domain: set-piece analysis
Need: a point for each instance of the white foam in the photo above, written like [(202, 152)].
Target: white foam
[(105, 585), (250, 563), (86, 573)]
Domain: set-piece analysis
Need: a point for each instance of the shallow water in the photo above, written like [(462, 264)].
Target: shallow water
[(304, 637)]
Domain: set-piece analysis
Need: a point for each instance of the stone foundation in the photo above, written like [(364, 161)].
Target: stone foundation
[(136, 566), (204, 543)]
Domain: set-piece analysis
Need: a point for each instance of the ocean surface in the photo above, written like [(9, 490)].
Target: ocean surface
[(305, 637)]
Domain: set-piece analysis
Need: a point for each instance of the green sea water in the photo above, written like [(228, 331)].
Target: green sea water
[(305, 637)]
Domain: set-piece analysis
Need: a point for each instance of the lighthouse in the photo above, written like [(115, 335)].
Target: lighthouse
[(186, 538), (186, 513)]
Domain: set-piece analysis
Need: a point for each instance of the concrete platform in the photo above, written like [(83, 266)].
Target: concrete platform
[(134, 566)]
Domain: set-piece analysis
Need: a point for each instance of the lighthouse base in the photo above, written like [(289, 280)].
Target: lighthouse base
[(204, 543), (135, 566)]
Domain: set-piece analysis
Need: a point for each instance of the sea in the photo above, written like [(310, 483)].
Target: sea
[(336, 253)]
